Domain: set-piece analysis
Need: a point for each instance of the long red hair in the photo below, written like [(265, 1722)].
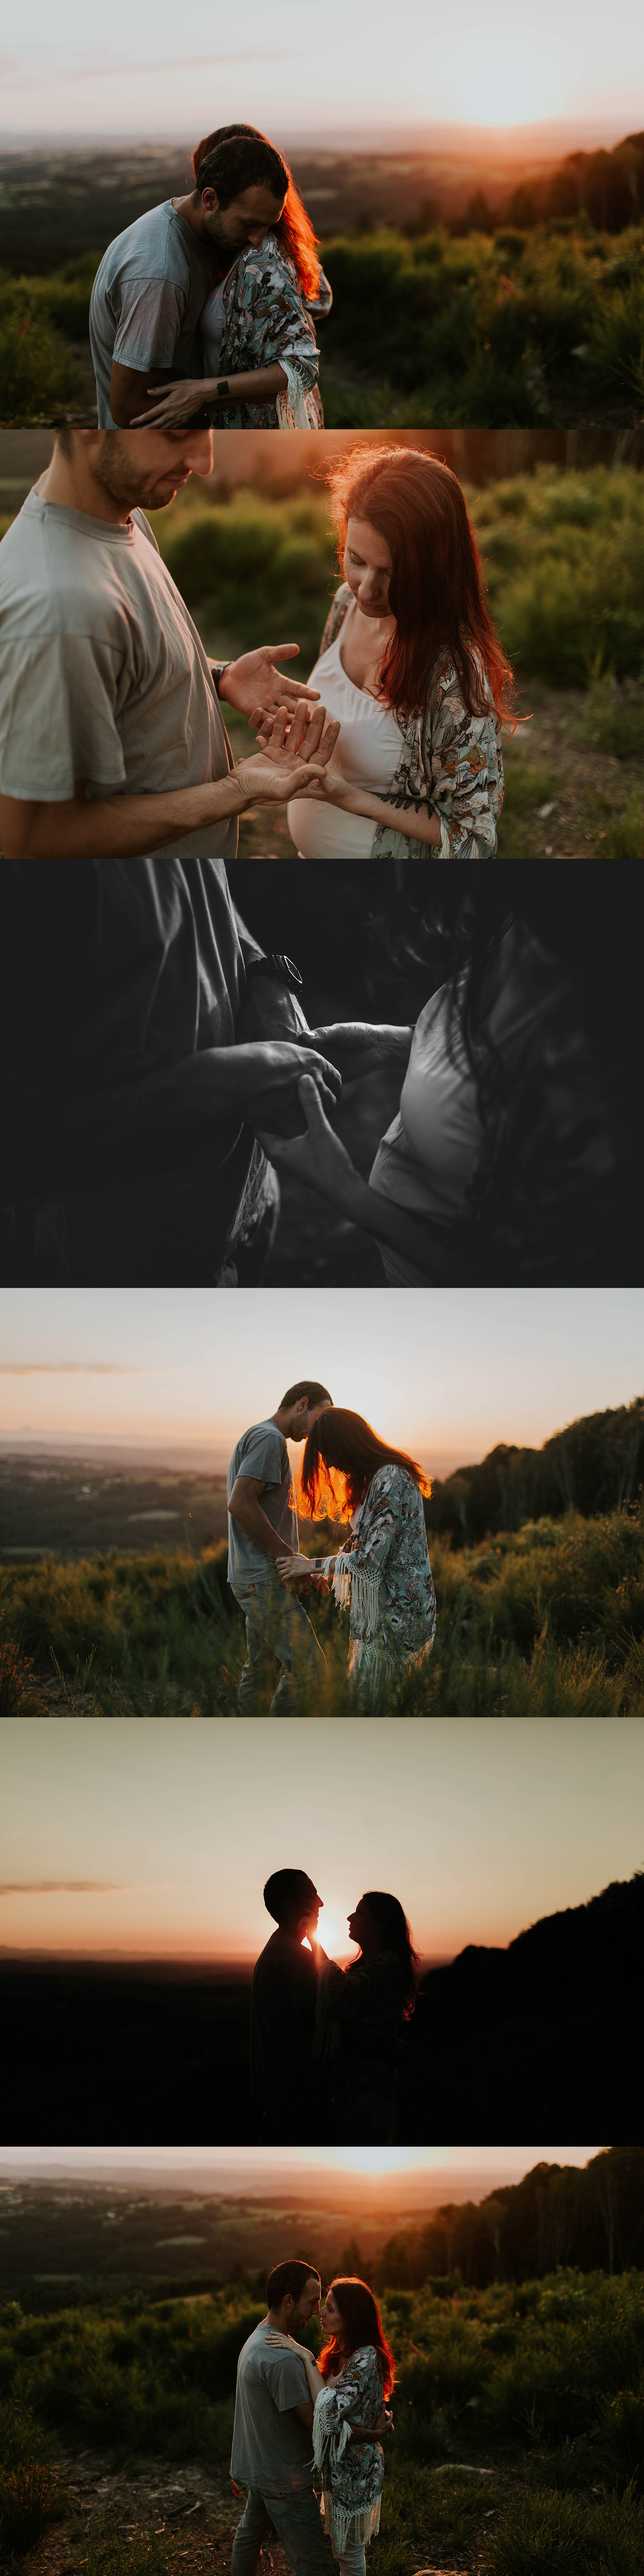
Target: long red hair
[(361, 2324), (341, 1456), (437, 587), (294, 230)]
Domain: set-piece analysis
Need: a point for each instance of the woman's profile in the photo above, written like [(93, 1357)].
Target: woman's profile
[(382, 1573), (411, 664)]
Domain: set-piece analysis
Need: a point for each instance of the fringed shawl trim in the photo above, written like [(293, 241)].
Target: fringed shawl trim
[(357, 1588), (341, 2521)]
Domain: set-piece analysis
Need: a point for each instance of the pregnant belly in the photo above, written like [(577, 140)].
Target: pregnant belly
[(324, 832)]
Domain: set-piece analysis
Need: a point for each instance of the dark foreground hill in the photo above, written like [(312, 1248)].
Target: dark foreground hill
[(541, 2040)]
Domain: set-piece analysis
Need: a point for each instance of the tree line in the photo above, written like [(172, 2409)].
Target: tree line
[(591, 2217), (594, 1465)]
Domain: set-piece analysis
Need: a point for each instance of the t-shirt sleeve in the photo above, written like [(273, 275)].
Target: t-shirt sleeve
[(286, 2380), (58, 697), (262, 1456), (152, 311)]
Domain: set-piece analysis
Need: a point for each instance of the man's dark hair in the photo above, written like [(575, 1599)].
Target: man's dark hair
[(243, 161), (285, 1891), (291, 2277), (307, 1386)]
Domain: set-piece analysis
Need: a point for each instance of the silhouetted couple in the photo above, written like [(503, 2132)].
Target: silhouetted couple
[(302, 2426), (381, 1573), (326, 2042)]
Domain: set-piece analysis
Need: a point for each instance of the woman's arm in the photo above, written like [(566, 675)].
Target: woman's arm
[(320, 1159), (418, 824), (172, 406)]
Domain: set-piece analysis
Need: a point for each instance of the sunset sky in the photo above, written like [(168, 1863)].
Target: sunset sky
[(148, 69), (431, 2170), (445, 1373), (155, 1836)]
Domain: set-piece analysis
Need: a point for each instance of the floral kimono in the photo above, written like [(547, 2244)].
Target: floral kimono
[(359, 2039), (385, 1577), (267, 321), (352, 2472), (449, 761)]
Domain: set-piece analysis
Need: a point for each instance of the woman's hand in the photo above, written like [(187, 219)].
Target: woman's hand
[(294, 1569), (359, 1047), (254, 686), (318, 1156), (172, 406), (290, 766)]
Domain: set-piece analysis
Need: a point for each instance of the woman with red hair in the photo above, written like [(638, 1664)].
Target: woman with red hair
[(383, 1574), (411, 665), (258, 320), (349, 2387)]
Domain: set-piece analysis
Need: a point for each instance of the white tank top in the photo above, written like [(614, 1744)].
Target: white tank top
[(367, 751)]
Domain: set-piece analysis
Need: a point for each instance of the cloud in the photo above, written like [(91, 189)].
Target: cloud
[(61, 1887), (69, 1368)]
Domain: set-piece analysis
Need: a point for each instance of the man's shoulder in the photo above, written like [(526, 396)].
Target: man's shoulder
[(260, 1433), (159, 237), (39, 590)]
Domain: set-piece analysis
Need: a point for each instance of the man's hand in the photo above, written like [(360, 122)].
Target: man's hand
[(254, 686), (384, 2425)]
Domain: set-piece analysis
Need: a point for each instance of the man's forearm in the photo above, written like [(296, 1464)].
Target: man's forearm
[(256, 1525), (121, 826), (49, 1136)]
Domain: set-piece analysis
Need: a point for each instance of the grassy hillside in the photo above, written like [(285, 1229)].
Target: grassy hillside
[(519, 2416), (548, 1617)]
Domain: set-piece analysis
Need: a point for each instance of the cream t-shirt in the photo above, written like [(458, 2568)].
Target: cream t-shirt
[(102, 673)]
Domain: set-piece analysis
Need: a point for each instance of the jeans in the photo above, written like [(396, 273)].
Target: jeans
[(353, 2561), (276, 1620), (296, 2521)]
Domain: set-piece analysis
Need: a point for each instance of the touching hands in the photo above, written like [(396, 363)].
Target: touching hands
[(290, 766), (254, 686), (278, 1064), (171, 406), (295, 755), (275, 735)]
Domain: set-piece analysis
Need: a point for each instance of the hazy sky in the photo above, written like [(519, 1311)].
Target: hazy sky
[(158, 71), (445, 1372), (156, 1835), (294, 2166)]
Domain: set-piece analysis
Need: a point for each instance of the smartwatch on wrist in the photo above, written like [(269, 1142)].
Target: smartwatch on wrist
[(218, 669), (281, 969)]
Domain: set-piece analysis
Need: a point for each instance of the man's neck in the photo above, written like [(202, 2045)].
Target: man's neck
[(69, 482)]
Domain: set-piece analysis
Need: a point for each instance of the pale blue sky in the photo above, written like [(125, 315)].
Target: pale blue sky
[(443, 1372), (156, 1835), (147, 69)]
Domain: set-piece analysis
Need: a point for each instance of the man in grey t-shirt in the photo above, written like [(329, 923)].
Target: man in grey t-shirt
[(134, 1044), (272, 2449), (262, 1525)]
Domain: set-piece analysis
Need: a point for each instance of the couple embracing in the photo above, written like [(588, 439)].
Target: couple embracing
[(327, 2043), (302, 2427), (380, 1573)]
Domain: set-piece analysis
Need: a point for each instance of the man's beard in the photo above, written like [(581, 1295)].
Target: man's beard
[(115, 474)]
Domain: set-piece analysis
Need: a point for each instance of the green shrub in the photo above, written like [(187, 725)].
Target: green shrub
[(38, 377), (556, 2535)]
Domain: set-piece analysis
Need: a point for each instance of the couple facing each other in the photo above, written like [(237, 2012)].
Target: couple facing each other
[(381, 1573), (307, 2439), (207, 304), (341, 2032)]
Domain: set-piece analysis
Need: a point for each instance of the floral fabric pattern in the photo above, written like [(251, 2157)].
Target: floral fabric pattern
[(352, 2472), (450, 761), (394, 1608), (267, 322)]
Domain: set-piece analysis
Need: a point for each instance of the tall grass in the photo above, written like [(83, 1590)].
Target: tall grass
[(543, 1620)]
